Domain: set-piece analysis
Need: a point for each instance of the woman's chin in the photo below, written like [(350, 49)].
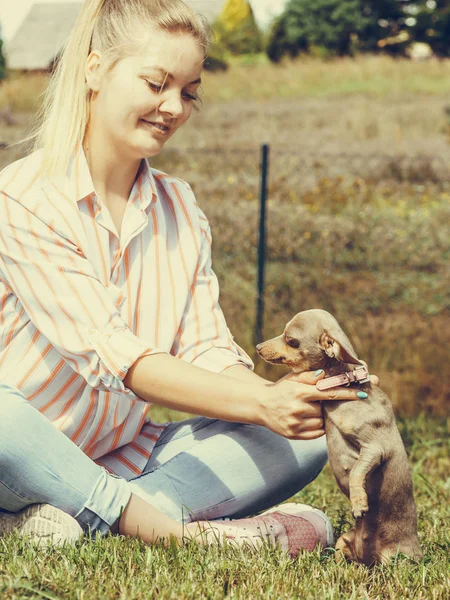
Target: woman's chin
[(140, 150), (152, 147)]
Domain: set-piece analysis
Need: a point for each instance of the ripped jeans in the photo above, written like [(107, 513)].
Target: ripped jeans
[(200, 468)]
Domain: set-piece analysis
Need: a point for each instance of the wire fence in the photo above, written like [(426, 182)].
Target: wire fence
[(229, 177), (226, 177)]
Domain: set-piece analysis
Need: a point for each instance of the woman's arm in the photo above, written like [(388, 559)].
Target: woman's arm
[(167, 381), (289, 408), (244, 374)]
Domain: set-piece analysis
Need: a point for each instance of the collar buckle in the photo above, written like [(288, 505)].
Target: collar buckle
[(358, 375)]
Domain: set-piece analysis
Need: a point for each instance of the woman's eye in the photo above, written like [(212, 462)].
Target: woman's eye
[(293, 343), (156, 87), (192, 97)]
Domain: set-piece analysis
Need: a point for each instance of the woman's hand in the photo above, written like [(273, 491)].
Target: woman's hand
[(292, 405)]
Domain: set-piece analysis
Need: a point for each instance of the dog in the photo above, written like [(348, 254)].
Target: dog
[(366, 452)]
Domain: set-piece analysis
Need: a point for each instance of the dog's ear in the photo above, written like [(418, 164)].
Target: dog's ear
[(337, 345)]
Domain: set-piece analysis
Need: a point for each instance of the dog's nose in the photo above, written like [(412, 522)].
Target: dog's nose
[(258, 346)]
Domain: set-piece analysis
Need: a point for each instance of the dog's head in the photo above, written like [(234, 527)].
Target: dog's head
[(308, 342)]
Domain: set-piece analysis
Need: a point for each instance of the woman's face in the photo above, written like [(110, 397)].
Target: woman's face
[(140, 103)]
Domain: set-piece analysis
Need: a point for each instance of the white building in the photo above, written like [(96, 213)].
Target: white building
[(41, 28)]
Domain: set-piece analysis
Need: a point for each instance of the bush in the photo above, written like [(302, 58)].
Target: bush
[(433, 27), (342, 27), (216, 59), (2, 63), (236, 28)]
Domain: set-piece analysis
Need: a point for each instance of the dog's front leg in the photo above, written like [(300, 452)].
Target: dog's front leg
[(370, 457)]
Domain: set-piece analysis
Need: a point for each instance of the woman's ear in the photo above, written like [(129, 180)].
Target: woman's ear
[(93, 71)]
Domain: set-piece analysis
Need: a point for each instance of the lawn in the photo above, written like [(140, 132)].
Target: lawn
[(117, 567), (358, 224)]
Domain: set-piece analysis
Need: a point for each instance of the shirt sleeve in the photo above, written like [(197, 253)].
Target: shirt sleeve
[(64, 299), (204, 338)]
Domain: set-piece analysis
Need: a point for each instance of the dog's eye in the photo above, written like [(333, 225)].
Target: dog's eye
[(293, 343)]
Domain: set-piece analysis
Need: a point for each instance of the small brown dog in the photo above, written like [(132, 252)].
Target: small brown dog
[(365, 449)]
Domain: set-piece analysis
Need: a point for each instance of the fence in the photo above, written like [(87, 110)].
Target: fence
[(313, 179), (365, 236)]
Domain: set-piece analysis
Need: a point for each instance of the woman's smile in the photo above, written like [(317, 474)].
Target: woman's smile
[(158, 128)]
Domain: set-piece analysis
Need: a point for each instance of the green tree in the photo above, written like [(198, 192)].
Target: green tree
[(2, 62), (340, 26), (385, 27), (236, 29), (433, 25)]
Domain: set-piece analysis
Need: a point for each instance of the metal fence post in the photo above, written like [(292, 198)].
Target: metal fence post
[(262, 244)]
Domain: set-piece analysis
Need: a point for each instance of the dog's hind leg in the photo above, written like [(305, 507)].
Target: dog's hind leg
[(370, 457)]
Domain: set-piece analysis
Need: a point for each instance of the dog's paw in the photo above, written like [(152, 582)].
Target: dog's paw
[(345, 550), (360, 507)]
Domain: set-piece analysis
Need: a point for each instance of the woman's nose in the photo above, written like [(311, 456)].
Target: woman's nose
[(173, 105)]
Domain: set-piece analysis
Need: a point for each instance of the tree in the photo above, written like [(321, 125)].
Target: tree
[(433, 25), (236, 28), (2, 63), (385, 28), (340, 26)]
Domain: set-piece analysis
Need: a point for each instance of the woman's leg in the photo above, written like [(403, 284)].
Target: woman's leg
[(208, 469), (39, 464)]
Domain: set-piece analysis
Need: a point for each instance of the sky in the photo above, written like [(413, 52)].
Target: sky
[(13, 11)]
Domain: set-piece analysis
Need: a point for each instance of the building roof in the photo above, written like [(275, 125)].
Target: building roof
[(41, 35), (46, 27), (210, 9)]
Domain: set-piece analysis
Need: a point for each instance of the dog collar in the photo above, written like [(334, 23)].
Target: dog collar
[(359, 375)]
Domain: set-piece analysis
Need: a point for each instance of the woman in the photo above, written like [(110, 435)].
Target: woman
[(109, 305)]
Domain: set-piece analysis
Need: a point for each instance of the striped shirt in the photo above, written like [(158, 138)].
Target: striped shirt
[(79, 305)]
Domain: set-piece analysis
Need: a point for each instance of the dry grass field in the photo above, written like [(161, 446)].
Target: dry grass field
[(358, 215), (358, 224)]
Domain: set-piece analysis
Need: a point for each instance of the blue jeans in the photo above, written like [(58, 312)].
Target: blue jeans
[(199, 469)]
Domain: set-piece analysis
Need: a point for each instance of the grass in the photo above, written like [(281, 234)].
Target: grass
[(358, 214), (306, 77), (376, 76), (117, 567), (358, 224)]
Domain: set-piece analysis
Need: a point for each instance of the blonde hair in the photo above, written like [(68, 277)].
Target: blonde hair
[(110, 27)]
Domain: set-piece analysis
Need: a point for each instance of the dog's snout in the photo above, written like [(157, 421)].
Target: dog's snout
[(259, 346)]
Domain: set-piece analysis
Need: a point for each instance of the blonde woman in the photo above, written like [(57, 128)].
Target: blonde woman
[(109, 305)]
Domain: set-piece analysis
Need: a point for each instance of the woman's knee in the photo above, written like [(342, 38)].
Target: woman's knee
[(13, 408), (10, 399), (320, 451), (312, 455)]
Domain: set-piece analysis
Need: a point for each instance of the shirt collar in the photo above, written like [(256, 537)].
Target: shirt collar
[(145, 185), (83, 186)]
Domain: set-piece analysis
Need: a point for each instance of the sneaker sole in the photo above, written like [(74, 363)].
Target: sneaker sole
[(292, 508), (44, 523)]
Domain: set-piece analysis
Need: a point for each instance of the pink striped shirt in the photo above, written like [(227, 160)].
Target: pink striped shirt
[(78, 305)]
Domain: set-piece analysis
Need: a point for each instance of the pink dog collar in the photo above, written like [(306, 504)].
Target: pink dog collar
[(359, 375)]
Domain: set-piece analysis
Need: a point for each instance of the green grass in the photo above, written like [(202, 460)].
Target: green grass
[(383, 272), (118, 567)]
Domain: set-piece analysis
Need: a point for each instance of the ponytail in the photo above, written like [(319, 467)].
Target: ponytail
[(110, 26)]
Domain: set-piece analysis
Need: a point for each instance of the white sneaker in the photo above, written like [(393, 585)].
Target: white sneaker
[(44, 523)]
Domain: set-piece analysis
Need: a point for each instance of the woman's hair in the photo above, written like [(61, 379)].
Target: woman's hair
[(110, 26)]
